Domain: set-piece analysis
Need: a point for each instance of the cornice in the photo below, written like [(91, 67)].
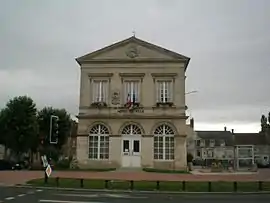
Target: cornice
[(93, 75), (136, 60), (130, 116), (158, 75), (139, 75)]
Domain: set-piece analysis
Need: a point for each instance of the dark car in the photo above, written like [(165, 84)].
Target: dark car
[(5, 165)]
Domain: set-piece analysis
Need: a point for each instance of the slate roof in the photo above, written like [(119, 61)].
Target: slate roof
[(230, 139), (250, 139), (218, 136)]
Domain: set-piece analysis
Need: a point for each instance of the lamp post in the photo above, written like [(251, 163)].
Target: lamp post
[(191, 92)]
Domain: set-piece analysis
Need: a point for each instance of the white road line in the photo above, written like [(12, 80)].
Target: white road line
[(62, 201), (9, 198), (39, 190), (78, 195), (30, 193), (21, 195)]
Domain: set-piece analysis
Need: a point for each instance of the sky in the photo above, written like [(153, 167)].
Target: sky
[(228, 42)]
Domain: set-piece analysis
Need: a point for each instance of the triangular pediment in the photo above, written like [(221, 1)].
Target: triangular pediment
[(132, 49)]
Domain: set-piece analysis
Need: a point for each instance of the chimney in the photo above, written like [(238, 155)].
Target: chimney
[(225, 128), (191, 124)]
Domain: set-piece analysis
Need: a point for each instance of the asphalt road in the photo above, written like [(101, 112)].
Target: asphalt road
[(28, 195)]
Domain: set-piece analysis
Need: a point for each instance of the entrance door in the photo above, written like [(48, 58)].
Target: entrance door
[(131, 152)]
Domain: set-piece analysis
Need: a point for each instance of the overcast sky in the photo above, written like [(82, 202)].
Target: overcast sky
[(228, 42)]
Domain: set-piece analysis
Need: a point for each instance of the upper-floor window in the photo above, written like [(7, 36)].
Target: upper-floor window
[(222, 143), (212, 143), (99, 91), (198, 143), (164, 91), (131, 91)]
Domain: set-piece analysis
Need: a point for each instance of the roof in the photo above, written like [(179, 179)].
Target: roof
[(218, 136), (138, 41), (237, 138), (250, 139)]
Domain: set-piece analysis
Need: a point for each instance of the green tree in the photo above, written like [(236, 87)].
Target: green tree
[(64, 124), (20, 121), (265, 124), (2, 127)]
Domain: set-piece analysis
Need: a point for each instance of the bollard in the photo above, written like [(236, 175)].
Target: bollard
[(81, 183), (157, 185), (106, 184), (45, 178), (57, 181), (235, 186), (260, 186), (209, 186), (184, 186), (131, 185)]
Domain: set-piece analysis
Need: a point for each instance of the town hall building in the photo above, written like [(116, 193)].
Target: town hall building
[(132, 110)]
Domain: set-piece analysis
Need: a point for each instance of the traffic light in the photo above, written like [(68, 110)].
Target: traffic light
[(54, 129)]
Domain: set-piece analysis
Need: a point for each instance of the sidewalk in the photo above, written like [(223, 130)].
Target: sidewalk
[(21, 177)]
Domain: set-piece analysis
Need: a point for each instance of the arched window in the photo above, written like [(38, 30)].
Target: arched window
[(99, 142), (164, 143), (131, 129)]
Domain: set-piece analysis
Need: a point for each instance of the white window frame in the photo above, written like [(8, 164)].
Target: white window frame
[(100, 91), (157, 141), (222, 143), (212, 142), (202, 143), (100, 134), (164, 91), (133, 88)]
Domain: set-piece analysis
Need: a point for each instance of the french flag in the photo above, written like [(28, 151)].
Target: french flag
[(129, 102)]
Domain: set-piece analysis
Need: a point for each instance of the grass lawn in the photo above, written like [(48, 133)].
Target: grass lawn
[(150, 186)]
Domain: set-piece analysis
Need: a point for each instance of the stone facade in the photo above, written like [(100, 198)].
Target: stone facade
[(132, 107)]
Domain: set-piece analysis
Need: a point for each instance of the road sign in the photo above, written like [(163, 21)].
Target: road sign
[(48, 170)]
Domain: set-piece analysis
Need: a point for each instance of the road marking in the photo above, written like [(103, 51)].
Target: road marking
[(102, 195), (39, 190), (21, 195), (62, 201), (9, 198), (78, 195), (30, 193)]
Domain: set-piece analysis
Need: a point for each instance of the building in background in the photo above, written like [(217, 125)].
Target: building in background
[(132, 107), (225, 146)]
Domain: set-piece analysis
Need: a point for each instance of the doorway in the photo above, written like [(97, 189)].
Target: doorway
[(131, 152)]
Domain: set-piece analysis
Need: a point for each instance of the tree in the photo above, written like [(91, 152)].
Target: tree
[(21, 128), (265, 124), (44, 127)]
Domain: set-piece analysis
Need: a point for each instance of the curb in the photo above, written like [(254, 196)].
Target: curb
[(138, 191)]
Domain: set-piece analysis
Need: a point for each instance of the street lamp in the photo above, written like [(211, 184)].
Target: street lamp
[(191, 92)]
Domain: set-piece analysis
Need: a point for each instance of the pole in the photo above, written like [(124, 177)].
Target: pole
[(45, 177)]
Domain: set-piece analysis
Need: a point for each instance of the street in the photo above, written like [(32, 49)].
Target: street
[(29, 195)]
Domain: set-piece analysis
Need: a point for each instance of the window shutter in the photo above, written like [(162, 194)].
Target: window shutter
[(125, 92), (138, 92), (104, 91), (94, 88), (157, 92), (171, 91)]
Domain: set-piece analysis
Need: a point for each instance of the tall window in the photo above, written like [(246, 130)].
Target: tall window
[(164, 143), (164, 91), (99, 142), (99, 91), (132, 91)]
